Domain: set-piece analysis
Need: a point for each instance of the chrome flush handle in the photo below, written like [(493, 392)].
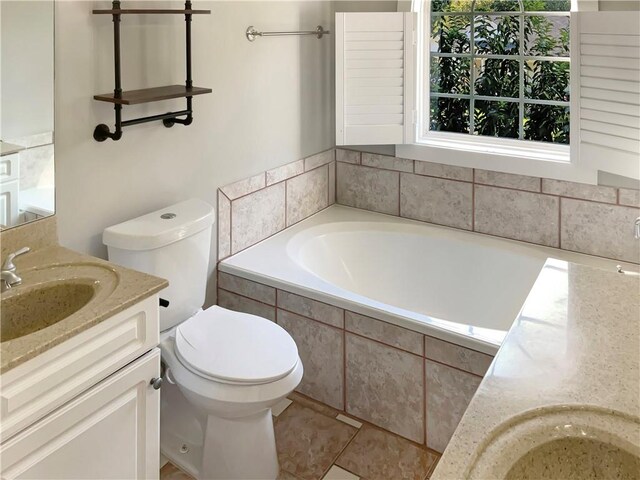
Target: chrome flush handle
[(636, 231)]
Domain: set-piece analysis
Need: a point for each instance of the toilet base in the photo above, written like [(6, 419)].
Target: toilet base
[(240, 448)]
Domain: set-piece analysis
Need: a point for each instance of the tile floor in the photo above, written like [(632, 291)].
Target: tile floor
[(316, 442)]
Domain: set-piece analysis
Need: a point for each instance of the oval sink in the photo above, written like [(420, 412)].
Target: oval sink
[(577, 442), (575, 458), (50, 294), (39, 308)]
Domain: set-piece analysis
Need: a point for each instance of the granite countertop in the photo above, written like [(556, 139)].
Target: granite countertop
[(118, 288), (575, 343)]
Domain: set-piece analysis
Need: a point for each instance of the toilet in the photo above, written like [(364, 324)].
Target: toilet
[(223, 370)]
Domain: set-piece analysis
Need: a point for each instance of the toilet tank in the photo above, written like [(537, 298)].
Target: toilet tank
[(172, 243)]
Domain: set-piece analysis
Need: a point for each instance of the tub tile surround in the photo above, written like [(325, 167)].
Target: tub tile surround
[(262, 205), (397, 379), (596, 220)]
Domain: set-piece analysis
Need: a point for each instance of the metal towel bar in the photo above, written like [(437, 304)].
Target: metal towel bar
[(252, 33)]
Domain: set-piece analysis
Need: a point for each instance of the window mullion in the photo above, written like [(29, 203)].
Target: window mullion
[(472, 75), (521, 78)]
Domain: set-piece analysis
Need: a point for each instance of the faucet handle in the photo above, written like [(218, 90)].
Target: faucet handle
[(8, 263)]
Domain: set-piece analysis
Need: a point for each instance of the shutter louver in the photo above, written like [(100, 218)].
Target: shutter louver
[(374, 78), (610, 92)]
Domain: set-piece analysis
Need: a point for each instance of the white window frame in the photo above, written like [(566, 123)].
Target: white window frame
[(491, 153)]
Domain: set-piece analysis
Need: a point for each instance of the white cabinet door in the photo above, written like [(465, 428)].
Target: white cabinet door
[(9, 203), (109, 432)]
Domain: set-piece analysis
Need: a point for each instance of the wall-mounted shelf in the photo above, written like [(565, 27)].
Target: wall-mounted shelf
[(147, 95), (147, 11), (156, 94)]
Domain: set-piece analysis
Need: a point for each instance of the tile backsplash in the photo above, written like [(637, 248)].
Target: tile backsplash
[(596, 220), (257, 207), (591, 219)]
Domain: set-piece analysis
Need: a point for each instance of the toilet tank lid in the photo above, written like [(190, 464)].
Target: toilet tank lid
[(162, 227)]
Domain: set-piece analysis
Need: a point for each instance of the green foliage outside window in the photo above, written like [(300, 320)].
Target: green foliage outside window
[(533, 104)]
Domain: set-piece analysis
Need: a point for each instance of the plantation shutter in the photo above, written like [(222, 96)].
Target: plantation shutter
[(375, 67), (610, 92)]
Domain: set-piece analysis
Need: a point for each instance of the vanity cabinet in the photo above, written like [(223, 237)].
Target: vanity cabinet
[(9, 188), (86, 409), (110, 431)]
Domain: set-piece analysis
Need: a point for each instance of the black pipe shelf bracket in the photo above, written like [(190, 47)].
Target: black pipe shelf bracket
[(147, 95)]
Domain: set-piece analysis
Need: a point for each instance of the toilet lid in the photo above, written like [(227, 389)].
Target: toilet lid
[(236, 347)]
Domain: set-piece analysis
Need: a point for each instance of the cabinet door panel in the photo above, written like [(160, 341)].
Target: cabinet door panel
[(110, 431)]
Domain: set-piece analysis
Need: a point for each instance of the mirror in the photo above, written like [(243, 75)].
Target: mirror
[(27, 184)]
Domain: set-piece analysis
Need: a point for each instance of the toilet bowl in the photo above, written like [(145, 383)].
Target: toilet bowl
[(233, 394), (224, 369)]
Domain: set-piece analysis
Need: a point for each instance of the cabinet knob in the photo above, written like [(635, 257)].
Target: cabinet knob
[(156, 383)]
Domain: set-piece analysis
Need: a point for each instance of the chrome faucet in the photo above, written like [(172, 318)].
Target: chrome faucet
[(636, 232), (8, 277)]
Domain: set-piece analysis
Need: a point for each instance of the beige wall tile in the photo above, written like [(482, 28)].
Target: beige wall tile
[(248, 288), (224, 226), (319, 159), (322, 312), (378, 455), (449, 392), (321, 350), (457, 356), (385, 161), (257, 216), (384, 332), (444, 171), (368, 188), (436, 200), (283, 172), (385, 387), (629, 197), (309, 442), (529, 217), (579, 190), (307, 194), (245, 186), (509, 180), (599, 229), (332, 183), (239, 303), (347, 156)]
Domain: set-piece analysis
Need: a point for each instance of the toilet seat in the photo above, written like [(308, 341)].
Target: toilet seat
[(236, 348)]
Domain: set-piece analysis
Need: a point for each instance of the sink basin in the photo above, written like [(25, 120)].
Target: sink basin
[(39, 308), (576, 442), (51, 294), (575, 459)]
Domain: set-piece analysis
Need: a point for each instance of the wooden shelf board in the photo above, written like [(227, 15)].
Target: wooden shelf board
[(146, 95), (148, 11)]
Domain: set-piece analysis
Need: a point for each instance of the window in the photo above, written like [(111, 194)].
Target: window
[(497, 68)]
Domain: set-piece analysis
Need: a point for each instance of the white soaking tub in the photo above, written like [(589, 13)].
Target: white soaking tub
[(462, 287)]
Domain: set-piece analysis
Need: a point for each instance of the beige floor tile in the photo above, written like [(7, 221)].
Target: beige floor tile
[(379, 455), (171, 472), (309, 442), (337, 473), (317, 406), (284, 475), (280, 407)]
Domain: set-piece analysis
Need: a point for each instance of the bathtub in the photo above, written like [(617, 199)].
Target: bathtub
[(461, 287)]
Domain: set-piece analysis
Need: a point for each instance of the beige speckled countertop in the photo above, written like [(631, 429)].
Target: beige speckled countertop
[(120, 289), (576, 342)]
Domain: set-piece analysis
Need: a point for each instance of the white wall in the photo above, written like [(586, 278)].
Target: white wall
[(26, 55), (272, 104)]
